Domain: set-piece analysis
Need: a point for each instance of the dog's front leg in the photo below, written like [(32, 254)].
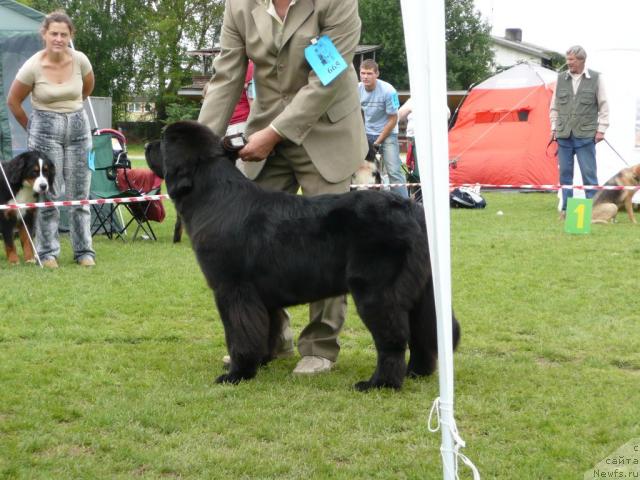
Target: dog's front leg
[(628, 205), (24, 234), (246, 329)]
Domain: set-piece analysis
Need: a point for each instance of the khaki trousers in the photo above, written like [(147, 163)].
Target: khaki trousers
[(289, 169)]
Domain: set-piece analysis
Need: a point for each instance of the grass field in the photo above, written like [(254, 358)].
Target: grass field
[(107, 372)]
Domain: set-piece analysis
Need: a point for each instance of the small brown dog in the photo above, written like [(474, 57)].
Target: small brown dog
[(606, 203)]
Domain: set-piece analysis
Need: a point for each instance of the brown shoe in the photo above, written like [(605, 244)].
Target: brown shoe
[(87, 262), (562, 216), (50, 263), (312, 364)]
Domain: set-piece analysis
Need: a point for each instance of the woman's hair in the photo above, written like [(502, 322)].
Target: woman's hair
[(57, 16)]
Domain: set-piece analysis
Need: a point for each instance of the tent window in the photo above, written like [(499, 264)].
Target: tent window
[(499, 116)]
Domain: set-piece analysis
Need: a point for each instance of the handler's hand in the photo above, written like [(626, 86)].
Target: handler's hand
[(260, 145), (599, 137), (553, 137)]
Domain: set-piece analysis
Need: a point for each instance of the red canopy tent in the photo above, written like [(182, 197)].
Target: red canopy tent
[(502, 130)]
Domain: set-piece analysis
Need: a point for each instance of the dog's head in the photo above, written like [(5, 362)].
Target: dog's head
[(31, 169), (153, 156), (186, 146), (635, 170), (367, 173)]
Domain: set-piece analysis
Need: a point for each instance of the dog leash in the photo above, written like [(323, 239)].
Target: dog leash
[(234, 143), (616, 152)]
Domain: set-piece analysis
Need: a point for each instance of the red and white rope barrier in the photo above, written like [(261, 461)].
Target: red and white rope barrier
[(508, 186), (147, 198), (94, 201)]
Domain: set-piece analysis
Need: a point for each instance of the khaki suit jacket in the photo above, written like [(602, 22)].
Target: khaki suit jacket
[(325, 120)]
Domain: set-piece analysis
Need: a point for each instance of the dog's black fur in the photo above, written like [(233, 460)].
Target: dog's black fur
[(30, 174), (261, 250), (153, 156)]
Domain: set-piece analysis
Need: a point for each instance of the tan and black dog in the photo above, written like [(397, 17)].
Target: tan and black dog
[(606, 203)]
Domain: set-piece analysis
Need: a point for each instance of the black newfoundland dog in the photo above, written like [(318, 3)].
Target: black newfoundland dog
[(261, 250)]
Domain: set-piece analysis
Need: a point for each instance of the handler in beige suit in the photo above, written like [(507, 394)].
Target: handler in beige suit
[(312, 136)]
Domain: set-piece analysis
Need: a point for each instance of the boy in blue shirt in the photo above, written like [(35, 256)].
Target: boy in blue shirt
[(379, 103)]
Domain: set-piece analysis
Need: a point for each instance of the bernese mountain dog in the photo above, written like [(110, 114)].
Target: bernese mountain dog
[(29, 175)]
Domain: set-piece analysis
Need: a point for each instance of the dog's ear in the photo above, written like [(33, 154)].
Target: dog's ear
[(50, 172), (180, 153), (17, 169)]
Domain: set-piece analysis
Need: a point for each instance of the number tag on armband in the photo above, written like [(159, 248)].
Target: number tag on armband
[(324, 58), (578, 215)]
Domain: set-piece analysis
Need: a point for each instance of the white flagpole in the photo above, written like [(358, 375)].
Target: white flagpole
[(424, 30)]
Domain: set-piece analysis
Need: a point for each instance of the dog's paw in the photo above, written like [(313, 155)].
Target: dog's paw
[(368, 385), (228, 378), (364, 386)]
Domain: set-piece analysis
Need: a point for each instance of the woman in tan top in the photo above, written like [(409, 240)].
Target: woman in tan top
[(58, 79)]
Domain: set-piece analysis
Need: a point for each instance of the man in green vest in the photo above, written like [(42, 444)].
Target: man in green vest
[(579, 118)]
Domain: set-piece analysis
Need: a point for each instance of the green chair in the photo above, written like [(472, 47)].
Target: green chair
[(107, 161), (107, 218)]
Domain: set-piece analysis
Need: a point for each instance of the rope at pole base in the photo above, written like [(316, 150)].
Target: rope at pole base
[(458, 442)]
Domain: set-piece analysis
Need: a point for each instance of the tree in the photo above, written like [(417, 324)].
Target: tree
[(382, 25), (139, 46), (469, 54)]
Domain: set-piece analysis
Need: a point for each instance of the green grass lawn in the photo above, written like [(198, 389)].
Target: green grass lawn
[(108, 372)]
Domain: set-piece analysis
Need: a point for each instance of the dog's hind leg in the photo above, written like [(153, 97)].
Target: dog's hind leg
[(246, 328), (389, 327), (423, 337), (8, 224)]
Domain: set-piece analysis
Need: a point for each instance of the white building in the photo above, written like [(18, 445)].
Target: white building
[(510, 50)]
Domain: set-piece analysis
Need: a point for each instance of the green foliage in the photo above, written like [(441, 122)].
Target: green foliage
[(107, 372), (182, 111), (469, 54), (382, 25), (140, 45), (558, 61)]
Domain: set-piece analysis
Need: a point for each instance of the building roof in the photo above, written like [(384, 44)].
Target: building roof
[(523, 47)]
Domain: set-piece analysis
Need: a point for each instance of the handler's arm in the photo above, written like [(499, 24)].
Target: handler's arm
[(225, 87), (17, 93)]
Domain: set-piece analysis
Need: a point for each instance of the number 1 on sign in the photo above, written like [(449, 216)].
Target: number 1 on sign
[(578, 215), (580, 212)]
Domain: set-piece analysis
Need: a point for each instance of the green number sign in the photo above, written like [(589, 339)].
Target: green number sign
[(578, 215)]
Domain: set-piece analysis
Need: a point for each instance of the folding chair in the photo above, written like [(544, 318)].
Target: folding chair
[(141, 212), (107, 161)]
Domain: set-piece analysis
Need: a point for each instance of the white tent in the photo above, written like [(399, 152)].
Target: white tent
[(621, 74)]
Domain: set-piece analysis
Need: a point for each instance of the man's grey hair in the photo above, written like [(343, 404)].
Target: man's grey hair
[(578, 52)]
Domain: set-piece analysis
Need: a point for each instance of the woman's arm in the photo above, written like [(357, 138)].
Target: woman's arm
[(88, 82), (17, 93)]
